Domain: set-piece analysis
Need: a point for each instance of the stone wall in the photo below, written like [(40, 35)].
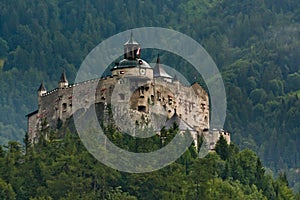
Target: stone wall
[(134, 100)]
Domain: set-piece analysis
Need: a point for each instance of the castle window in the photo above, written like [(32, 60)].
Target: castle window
[(64, 107), (158, 96), (205, 119), (152, 98), (122, 96), (142, 108), (202, 106), (142, 92), (111, 89), (170, 101)]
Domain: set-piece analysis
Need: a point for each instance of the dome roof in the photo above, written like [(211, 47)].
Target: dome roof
[(125, 63)]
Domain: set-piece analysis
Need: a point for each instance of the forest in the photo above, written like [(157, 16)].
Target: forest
[(63, 169), (255, 44)]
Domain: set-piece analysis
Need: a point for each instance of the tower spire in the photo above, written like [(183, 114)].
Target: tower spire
[(63, 82), (132, 48), (158, 59), (42, 90), (63, 77), (42, 87), (159, 71)]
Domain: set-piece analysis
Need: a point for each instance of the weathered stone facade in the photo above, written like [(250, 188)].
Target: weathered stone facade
[(137, 94)]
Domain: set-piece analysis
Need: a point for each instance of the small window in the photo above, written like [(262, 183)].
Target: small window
[(64, 107), (152, 98), (142, 90), (170, 101), (142, 108), (122, 96), (202, 106)]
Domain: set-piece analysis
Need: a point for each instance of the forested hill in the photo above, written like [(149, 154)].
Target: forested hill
[(64, 170), (255, 44)]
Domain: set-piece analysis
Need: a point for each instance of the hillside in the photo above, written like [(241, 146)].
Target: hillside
[(255, 44)]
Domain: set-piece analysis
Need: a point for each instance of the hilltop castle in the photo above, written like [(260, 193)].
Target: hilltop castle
[(149, 96)]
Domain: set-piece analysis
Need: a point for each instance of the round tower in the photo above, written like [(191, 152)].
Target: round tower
[(132, 65)]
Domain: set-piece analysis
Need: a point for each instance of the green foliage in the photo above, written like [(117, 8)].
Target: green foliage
[(63, 169), (6, 191), (255, 44), (3, 48), (222, 148)]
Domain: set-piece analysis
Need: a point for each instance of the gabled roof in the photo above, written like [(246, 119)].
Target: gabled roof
[(182, 125), (158, 71)]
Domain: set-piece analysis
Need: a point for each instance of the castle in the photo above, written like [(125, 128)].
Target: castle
[(137, 94)]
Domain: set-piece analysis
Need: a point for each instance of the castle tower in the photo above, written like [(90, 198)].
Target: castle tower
[(42, 90), (132, 66), (132, 49), (63, 82), (159, 72)]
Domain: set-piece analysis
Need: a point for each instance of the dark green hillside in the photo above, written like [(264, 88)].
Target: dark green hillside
[(255, 44)]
